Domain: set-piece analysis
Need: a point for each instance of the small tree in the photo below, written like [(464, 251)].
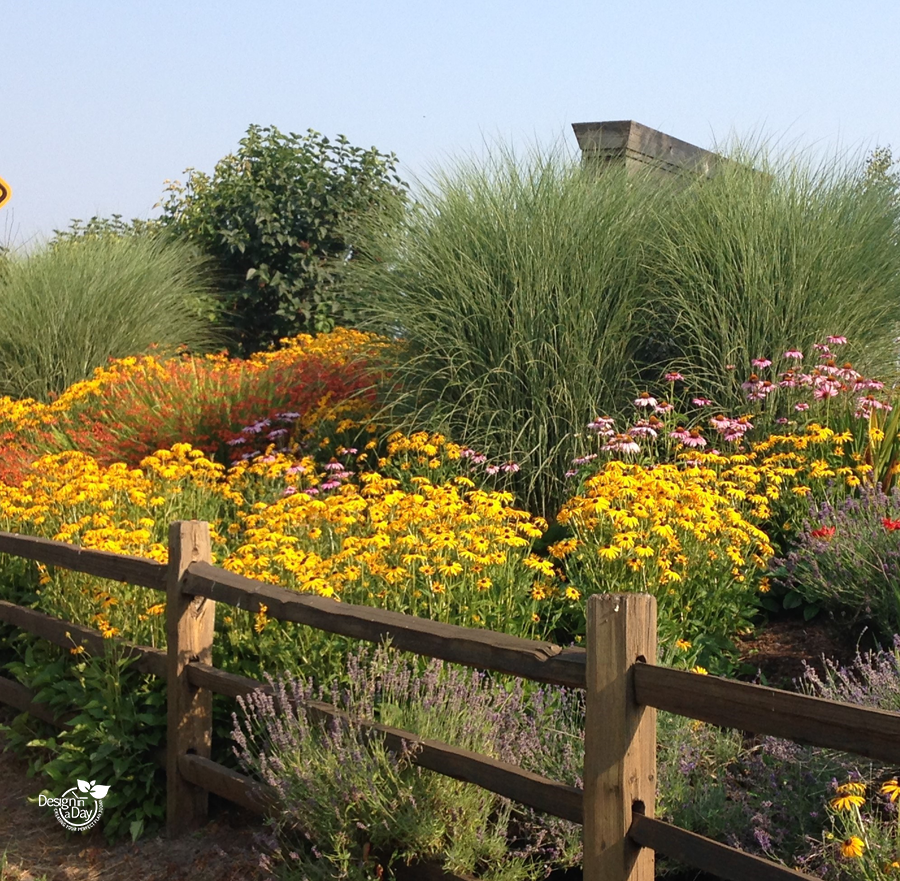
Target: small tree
[(281, 217)]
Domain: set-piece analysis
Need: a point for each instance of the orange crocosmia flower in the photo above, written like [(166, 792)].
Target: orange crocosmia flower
[(826, 532), (889, 524)]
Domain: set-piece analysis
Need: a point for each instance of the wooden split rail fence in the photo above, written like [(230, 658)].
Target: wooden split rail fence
[(624, 688)]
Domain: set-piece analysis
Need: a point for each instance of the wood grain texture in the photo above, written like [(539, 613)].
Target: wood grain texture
[(16, 695), (816, 721), (707, 855), (221, 682), (190, 627), (485, 649), (619, 736), (68, 635), (103, 564), (210, 776)]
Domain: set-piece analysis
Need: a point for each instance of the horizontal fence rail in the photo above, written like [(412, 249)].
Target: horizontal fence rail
[(623, 691), (802, 718), (103, 564), (485, 649)]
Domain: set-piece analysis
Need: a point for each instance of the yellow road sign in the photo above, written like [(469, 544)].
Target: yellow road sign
[(5, 192)]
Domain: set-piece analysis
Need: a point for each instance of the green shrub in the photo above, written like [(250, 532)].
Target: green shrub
[(281, 217), (70, 307), (516, 287)]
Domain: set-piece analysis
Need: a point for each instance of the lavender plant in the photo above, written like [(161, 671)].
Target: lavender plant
[(362, 808), (847, 557), (784, 801)]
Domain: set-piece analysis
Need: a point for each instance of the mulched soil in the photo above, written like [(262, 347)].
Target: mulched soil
[(37, 848), (779, 649)]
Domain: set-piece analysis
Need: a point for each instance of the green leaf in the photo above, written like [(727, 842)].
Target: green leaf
[(792, 600), (810, 612), (770, 604)]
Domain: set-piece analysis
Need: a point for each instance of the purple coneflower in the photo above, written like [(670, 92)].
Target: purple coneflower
[(702, 402), (680, 434), (674, 376), (621, 443), (642, 429), (645, 400), (761, 362), (603, 425), (793, 354)]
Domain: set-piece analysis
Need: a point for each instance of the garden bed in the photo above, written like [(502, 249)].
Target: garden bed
[(38, 849), (780, 650)]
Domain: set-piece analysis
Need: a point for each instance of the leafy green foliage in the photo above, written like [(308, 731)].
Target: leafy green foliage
[(119, 726), (105, 227), (282, 216)]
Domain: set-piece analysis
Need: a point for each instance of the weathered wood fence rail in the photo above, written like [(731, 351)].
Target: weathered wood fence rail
[(623, 690)]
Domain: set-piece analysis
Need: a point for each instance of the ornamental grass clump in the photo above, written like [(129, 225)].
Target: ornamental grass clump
[(514, 285), (846, 558), (769, 255), (350, 805), (66, 310)]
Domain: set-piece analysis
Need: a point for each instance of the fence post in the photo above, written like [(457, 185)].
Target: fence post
[(190, 623), (619, 736)]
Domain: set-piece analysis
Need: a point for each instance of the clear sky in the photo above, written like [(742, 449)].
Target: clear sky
[(102, 100)]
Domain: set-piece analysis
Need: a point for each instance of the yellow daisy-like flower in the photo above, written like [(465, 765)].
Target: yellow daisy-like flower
[(854, 787), (701, 670), (608, 553), (683, 645), (891, 788), (852, 847), (572, 593), (847, 802)]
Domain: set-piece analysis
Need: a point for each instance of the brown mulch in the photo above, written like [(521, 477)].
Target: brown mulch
[(779, 649), (37, 848)]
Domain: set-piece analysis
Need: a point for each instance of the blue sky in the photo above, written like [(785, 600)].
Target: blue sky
[(101, 101)]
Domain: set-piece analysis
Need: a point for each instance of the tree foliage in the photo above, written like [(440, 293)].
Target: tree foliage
[(281, 217)]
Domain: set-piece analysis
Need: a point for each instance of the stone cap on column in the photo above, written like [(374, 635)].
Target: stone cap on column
[(632, 145)]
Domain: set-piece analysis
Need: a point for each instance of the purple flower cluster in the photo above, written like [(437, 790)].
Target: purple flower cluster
[(766, 795), (277, 740), (828, 379), (847, 557)]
